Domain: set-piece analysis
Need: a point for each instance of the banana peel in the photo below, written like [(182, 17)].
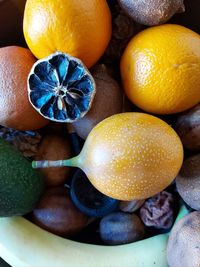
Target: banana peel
[(23, 244)]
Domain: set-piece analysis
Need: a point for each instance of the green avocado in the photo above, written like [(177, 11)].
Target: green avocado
[(20, 185)]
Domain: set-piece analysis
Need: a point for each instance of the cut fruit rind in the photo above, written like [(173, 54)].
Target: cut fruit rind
[(61, 88)]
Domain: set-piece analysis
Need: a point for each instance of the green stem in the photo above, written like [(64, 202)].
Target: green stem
[(73, 162)]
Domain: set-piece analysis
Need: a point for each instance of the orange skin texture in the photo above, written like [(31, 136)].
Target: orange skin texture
[(131, 156), (160, 69), (76, 27), (15, 109)]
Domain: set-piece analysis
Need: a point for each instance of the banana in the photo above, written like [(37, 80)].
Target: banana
[(23, 244)]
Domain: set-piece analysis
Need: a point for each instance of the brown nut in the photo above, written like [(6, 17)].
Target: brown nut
[(107, 101), (188, 128), (54, 147), (188, 182), (57, 214)]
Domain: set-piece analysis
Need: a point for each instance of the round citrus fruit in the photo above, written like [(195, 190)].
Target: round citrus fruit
[(79, 28), (15, 109), (132, 156), (160, 69)]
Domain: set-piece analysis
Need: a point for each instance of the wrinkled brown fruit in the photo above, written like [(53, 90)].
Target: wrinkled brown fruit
[(54, 147), (107, 101), (57, 214), (184, 240), (152, 12)]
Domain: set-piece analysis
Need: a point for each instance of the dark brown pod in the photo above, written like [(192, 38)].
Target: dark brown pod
[(107, 101), (188, 128), (54, 147), (152, 12), (57, 214)]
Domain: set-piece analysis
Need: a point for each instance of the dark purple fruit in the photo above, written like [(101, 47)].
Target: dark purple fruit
[(121, 228), (88, 199)]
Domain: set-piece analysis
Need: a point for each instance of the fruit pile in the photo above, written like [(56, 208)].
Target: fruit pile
[(100, 133)]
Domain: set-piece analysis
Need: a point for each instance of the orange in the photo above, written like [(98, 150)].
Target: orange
[(79, 28), (160, 69), (131, 156), (15, 110)]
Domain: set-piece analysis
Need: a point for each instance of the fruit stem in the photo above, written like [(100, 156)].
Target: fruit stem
[(73, 162)]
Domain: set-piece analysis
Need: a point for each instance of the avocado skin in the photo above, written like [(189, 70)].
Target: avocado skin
[(20, 185)]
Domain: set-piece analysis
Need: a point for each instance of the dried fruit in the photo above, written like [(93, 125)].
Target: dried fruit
[(107, 101), (130, 206), (158, 211), (54, 146), (188, 128), (25, 141), (188, 182), (88, 199), (57, 214), (61, 88), (121, 228), (152, 12)]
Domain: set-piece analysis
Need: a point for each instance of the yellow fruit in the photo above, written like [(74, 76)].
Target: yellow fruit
[(160, 69), (128, 156), (79, 28), (132, 156)]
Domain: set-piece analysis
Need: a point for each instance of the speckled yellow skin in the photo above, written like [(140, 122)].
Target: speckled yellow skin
[(131, 156), (81, 28), (160, 69)]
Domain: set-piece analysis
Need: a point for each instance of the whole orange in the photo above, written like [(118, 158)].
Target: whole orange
[(160, 69), (15, 110), (79, 28)]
